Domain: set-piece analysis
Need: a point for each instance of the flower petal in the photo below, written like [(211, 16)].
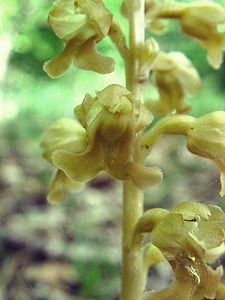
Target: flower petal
[(63, 134), (80, 167), (88, 58), (98, 14), (142, 176), (57, 66), (59, 182)]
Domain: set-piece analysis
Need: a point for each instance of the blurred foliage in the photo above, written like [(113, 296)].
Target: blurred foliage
[(49, 252)]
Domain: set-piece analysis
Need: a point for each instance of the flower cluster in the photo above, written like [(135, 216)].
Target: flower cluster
[(80, 24), (103, 140), (187, 237)]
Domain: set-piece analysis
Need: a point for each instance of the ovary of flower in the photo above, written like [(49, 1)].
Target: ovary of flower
[(193, 278), (111, 120), (206, 138), (175, 77), (80, 24)]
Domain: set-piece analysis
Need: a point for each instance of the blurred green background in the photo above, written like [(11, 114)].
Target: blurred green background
[(73, 251)]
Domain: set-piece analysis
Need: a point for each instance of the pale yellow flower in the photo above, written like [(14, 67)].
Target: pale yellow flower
[(184, 235), (80, 24), (111, 120), (175, 77)]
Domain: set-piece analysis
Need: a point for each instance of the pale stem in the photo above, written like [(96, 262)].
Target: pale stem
[(176, 124), (133, 275)]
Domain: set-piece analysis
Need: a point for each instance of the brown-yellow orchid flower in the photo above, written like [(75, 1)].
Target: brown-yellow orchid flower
[(80, 24), (64, 134), (175, 77), (112, 120), (206, 138), (184, 235)]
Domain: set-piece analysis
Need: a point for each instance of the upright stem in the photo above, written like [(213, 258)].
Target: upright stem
[(133, 278)]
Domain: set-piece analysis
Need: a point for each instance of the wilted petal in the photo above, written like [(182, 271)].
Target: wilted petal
[(88, 58)]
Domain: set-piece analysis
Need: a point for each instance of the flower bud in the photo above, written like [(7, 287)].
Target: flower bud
[(175, 77), (206, 138), (200, 20)]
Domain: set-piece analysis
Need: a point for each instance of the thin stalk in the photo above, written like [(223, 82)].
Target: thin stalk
[(133, 276), (175, 124)]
